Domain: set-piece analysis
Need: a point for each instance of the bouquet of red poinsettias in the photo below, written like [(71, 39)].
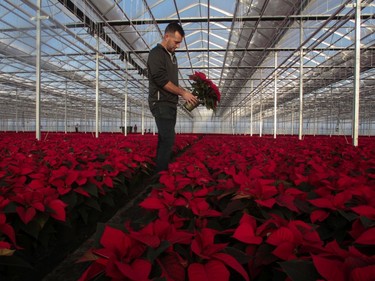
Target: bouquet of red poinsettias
[(207, 92)]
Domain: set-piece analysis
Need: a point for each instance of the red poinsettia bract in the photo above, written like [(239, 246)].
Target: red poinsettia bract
[(120, 258), (216, 261), (336, 264), (42, 200)]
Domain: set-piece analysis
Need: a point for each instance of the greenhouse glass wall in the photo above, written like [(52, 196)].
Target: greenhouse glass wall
[(284, 67), (272, 177)]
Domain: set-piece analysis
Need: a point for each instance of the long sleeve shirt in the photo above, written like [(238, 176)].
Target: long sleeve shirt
[(162, 68)]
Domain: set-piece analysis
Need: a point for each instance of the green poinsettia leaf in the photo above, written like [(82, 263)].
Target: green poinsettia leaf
[(108, 167), (366, 222), (84, 214), (350, 216), (303, 206), (92, 189), (299, 270), (10, 208), (233, 206), (108, 200), (71, 200), (93, 203), (239, 255), (14, 261), (152, 253), (32, 228)]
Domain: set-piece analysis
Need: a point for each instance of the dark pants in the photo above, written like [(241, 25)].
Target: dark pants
[(165, 118)]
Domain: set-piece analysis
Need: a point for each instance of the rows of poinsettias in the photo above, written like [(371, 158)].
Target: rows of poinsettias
[(239, 208), (63, 177)]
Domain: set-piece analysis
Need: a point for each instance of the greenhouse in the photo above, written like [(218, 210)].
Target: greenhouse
[(276, 173), (283, 67)]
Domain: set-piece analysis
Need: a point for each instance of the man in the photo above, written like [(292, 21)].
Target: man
[(164, 91)]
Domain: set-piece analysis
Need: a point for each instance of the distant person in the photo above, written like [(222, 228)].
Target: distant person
[(164, 91), (135, 128)]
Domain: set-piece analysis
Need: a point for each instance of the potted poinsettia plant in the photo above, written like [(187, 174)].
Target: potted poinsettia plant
[(207, 92), (224, 214)]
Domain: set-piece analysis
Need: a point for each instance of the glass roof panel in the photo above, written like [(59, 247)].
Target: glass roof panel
[(232, 42)]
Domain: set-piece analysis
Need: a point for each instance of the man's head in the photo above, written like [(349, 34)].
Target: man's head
[(173, 36)]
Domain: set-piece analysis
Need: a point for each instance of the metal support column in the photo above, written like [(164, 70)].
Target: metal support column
[(260, 119), (57, 122), (275, 101), (126, 100), (292, 117), (38, 72), (232, 119), (357, 74), (97, 88), (251, 107), (86, 97), (260, 107), (65, 108), (143, 106), (315, 118), (301, 84), (16, 111)]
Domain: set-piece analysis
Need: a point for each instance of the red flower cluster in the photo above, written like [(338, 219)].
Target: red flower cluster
[(257, 208), (37, 178), (206, 91)]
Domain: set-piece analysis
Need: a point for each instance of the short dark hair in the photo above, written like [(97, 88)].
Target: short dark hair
[(173, 27)]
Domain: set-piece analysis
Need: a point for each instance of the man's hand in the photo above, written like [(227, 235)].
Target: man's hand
[(186, 95), (189, 97)]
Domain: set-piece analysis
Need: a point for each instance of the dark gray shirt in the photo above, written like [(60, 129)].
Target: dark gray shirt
[(162, 68)]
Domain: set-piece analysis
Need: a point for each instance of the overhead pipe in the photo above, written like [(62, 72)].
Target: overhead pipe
[(229, 19), (331, 17), (98, 28)]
